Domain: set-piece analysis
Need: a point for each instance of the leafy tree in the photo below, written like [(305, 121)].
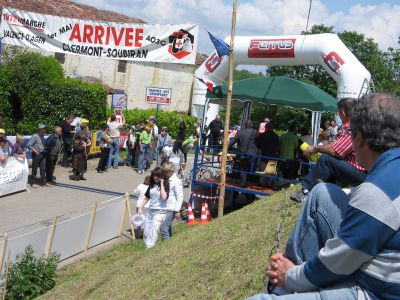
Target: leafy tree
[(33, 90)]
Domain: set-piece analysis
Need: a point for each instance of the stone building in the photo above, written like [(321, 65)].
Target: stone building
[(129, 77)]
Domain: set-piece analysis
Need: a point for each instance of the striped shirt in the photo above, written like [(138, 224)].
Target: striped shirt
[(366, 249), (343, 147)]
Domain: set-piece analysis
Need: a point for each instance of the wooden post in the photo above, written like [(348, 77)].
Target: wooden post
[(3, 251), (89, 234), (121, 225), (50, 238), (227, 116), (6, 275), (128, 207)]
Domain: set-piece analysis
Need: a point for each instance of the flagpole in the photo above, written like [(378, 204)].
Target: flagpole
[(227, 116)]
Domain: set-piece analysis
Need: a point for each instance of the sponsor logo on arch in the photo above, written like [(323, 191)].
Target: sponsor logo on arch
[(271, 48)]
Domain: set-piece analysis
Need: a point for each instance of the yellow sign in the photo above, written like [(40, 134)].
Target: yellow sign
[(95, 146)]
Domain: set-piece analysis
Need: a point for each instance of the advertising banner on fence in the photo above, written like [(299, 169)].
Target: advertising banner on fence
[(137, 42), (156, 95), (13, 175)]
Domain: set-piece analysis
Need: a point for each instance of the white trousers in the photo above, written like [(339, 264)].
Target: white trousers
[(154, 219)]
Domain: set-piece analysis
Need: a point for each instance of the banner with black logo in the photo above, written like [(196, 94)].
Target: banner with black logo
[(138, 42)]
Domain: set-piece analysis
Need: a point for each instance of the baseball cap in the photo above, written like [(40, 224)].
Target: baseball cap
[(2, 131), (71, 117), (84, 122), (41, 126)]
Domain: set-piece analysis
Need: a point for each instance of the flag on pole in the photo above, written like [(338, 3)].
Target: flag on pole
[(210, 85), (220, 45)]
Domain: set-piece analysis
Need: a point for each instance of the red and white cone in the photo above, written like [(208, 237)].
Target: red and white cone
[(209, 218), (204, 218), (190, 216)]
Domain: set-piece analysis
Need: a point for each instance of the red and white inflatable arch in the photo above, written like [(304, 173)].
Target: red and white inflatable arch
[(326, 50)]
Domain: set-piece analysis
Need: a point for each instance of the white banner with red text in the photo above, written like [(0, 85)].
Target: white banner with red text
[(136, 42), (13, 175)]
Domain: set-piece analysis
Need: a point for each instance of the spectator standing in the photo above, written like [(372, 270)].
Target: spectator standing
[(105, 142), (215, 128), (289, 143), (246, 138), (181, 134), (131, 145), (175, 200), (52, 146), (154, 139), (139, 193), (79, 157), (268, 143), (157, 193), (67, 137), (338, 159), (164, 140), (17, 150), (204, 132), (144, 144), (36, 145), (333, 129), (113, 158)]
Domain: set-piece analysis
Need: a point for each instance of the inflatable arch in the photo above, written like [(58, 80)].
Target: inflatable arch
[(326, 50)]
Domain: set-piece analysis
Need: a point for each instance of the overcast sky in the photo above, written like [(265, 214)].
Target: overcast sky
[(377, 19)]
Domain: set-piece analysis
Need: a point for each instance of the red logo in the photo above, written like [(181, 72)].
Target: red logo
[(333, 61), (271, 48), (212, 62), (181, 44)]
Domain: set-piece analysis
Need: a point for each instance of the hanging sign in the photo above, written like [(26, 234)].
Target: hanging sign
[(136, 42)]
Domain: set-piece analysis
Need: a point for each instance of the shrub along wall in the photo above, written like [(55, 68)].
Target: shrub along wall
[(33, 90), (165, 118)]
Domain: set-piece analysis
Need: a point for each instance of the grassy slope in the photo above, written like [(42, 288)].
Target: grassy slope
[(224, 259)]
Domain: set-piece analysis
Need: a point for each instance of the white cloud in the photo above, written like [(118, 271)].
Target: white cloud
[(263, 17)]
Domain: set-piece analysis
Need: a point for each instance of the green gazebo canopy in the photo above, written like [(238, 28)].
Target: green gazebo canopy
[(279, 90)]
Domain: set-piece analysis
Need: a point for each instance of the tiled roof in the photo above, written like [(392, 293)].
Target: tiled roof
[(66, 8)]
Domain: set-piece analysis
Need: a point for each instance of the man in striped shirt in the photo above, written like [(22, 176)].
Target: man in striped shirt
[(338, 161), (348, 246)]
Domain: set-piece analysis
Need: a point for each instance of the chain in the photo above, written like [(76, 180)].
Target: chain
[(281, 225)]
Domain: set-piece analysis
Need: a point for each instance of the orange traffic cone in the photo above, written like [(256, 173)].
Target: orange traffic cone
[(209, 218), (204, 218), (190, 215)]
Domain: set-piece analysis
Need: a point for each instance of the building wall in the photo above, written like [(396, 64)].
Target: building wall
[(137, 77)]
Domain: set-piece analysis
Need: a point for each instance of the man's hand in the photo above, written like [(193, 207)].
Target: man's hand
[(278, 268)]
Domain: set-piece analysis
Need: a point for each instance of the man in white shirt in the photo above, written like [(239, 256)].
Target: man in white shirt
[(175, 199), (114, 134)]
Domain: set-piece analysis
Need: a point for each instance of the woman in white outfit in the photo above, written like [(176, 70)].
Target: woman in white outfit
[(157, 194)]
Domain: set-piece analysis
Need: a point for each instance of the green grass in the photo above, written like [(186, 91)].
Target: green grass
[(224, 259)]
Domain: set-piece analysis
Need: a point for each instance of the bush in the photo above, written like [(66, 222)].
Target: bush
[(29, 276), (34, 90), (165, 118)]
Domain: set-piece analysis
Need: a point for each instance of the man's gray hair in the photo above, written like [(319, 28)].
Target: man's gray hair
[(57, 128), (377, 117)]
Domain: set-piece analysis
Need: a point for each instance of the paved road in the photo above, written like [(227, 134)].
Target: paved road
[(43, 203)]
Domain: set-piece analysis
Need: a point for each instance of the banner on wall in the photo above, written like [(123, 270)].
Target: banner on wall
[(13, 175), (136, 42)]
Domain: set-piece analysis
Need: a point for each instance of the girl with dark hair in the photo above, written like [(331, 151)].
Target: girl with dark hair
[(157, 193)]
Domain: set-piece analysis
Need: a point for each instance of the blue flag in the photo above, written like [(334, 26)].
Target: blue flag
[(220, 45)]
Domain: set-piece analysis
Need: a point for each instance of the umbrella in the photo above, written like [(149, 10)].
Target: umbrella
[(279, 90)]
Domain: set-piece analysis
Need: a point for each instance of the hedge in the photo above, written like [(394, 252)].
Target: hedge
[(165, 118), (33, 90)]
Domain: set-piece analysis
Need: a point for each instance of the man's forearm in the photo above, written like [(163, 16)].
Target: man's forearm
[(324, 149)]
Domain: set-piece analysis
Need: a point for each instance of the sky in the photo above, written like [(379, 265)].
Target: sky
[(379, 20)]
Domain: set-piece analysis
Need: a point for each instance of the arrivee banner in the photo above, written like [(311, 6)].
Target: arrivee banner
[(13, 175), (138, 42)]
